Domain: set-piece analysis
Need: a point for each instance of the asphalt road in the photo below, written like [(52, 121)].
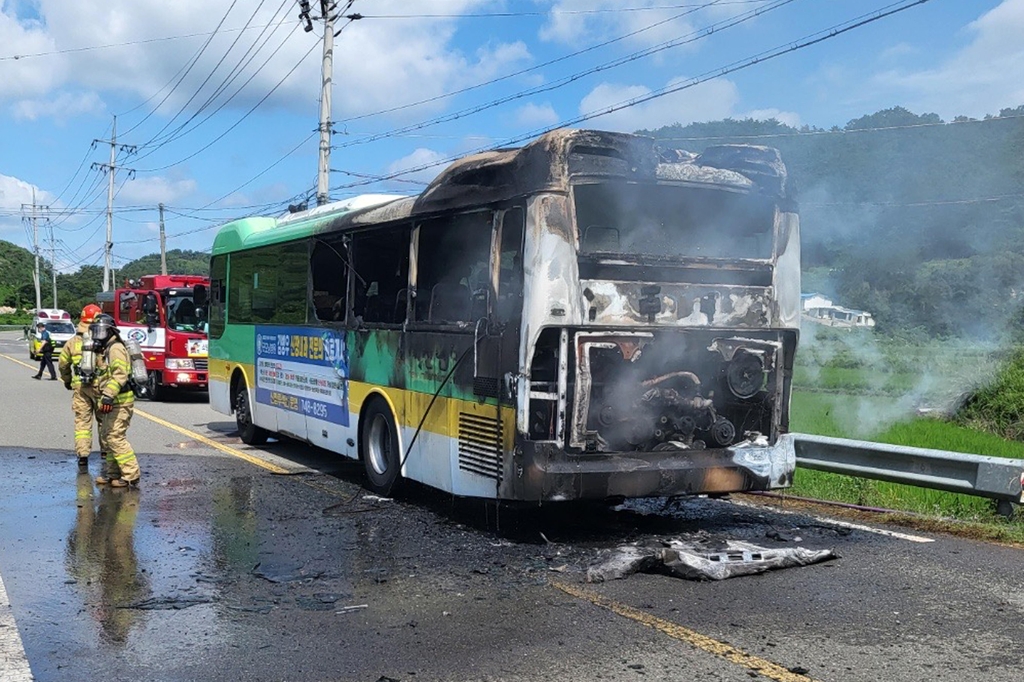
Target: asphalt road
[(273, 563)]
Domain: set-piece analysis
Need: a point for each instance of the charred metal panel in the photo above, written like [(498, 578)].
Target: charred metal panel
[(551, 272), (681, 305), (787, 271), (543, 472)]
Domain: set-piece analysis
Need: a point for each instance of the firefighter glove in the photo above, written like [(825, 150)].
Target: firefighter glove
[(67, 384), (107, 404)]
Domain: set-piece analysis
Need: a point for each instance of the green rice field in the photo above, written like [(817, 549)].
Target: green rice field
[(854, 385)]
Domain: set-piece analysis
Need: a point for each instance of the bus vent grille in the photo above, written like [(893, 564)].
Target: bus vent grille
[(486, 387), (480, 445)]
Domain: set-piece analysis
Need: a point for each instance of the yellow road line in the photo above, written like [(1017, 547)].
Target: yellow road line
[(703, 642), (234, 452), (23, 364)]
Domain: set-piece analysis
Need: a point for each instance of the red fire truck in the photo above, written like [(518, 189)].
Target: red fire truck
[(167, 315)]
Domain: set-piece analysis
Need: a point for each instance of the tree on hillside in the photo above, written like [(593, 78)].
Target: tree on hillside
[(179, 262)]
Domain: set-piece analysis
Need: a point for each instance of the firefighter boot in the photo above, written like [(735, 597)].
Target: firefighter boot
[(110, 472), (123, 483)]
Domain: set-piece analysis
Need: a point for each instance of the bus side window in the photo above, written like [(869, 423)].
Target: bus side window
[(510, 277), (453, 267), (380, 263), (329, 264)]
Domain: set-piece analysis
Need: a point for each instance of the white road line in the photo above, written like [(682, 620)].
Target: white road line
[(13, 662), (836, 522)]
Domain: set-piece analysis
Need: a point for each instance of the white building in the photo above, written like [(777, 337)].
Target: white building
[(819, 308)]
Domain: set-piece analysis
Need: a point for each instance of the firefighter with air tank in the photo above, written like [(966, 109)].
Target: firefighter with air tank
[(106, 375), (83, 395)]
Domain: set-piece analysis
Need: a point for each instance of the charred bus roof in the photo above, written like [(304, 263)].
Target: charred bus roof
[(546, 164)]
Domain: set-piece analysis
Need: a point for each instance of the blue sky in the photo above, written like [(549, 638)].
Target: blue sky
[(229, 129)]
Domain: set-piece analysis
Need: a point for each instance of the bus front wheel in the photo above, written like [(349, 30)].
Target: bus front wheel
[(247, 430), (378, 441)]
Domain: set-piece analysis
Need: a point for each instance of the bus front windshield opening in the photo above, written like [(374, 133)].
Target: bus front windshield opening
[(670, 221)]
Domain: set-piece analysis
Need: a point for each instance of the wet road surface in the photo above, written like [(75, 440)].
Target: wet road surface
[(238, 563)]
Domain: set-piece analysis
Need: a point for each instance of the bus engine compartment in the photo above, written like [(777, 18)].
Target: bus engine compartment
[(674, 390)]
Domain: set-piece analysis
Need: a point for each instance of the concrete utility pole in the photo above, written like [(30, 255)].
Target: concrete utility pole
[(53, 261), (163, 244), (109, 168), (35, 244), (323, 174)]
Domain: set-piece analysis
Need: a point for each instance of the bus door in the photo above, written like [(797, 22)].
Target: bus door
[(450, 314), (138, 317)]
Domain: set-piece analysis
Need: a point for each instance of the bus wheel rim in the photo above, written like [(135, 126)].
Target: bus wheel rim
[(379, 445), (242, 410)]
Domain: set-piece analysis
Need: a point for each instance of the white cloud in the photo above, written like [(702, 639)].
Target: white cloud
[(574, 23), (64, 106), (790, 118), (980, 78), (155, 190), (14, 192), (536, 115), (420, 157), (377, 64), (708, 101)]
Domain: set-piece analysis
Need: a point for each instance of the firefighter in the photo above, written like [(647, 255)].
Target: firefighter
[(84, 397), (116, 404)]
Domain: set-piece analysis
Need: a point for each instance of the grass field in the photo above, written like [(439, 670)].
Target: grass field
[(857, 386)]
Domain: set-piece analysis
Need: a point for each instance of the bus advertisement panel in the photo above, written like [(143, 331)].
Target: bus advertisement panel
[(303, 370)]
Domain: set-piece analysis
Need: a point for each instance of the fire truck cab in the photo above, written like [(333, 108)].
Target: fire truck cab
[(167, 315)]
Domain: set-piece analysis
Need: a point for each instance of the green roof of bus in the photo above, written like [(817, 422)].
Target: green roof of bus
[(248, 233)]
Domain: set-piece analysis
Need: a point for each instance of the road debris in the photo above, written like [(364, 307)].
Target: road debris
[(350, 609), (701, 560)]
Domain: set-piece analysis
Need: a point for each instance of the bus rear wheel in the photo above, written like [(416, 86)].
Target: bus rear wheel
[(378, 447), (247, 430)]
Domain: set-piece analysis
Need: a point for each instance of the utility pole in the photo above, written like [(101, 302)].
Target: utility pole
[(35, 244), (53, 261), (163, 244), (323, 171), (109, 168)]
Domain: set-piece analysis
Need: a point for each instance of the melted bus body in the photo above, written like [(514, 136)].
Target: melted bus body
[(585, 317)]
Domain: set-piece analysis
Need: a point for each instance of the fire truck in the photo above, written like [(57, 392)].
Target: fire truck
[(167, 315)]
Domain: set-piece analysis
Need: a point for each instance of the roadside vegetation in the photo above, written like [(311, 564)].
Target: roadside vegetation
[(930, 394)]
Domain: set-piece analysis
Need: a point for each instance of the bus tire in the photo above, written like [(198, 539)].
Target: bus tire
[(247, 430), (378, 448)]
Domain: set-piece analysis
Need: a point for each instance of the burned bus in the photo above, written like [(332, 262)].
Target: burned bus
[(585, 317)]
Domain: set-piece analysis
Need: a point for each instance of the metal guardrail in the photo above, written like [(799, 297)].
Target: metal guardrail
[(980, 475)]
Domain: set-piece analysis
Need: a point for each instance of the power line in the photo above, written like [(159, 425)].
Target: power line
[(192, 62), (505, 15), (144, 41), (793, 46), (184, 107), (536, 67), (691, 37)]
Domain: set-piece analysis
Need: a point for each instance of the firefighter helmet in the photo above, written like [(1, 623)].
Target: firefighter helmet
[(102, 329), (89, 313)]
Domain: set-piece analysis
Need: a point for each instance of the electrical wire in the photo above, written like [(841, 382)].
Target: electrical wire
[(184, 107), (530, 69), (792, 46), (688, 38), (191, 63)]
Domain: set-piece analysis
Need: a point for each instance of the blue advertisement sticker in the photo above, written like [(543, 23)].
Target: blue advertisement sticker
[(304, 370)]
